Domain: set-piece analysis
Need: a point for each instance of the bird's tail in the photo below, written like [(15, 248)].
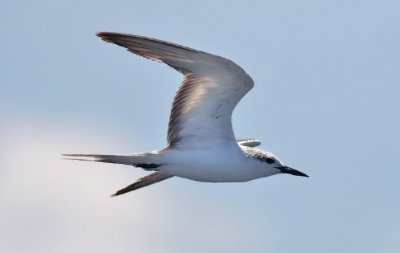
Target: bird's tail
[(147, 161)]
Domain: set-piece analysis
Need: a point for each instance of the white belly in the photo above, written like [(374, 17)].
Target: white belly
[(223, 164)]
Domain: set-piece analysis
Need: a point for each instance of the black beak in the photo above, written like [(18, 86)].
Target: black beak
[(288, 170)]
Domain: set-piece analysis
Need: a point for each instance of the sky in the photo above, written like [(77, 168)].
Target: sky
[(325, 101)]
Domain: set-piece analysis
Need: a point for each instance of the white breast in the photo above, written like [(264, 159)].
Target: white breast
[(225, 163)]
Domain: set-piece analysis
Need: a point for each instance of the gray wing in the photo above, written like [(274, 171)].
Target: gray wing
[(212, 87), (143, 182)]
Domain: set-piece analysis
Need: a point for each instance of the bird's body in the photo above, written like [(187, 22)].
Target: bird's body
[(225, 163), (201, 142)]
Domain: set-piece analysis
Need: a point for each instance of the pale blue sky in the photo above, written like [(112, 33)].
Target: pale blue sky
[(326, 102)]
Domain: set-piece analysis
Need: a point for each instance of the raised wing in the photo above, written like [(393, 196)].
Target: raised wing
[(212, 87)]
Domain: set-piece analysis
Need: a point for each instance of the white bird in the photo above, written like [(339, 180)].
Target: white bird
[(201, 142)]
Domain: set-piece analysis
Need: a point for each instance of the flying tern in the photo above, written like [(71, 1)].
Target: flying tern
[(201, 144)]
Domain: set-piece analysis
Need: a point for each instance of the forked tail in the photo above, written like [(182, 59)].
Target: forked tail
[(147, 161)]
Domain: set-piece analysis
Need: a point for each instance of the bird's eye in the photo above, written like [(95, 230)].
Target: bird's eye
[(270, 160)]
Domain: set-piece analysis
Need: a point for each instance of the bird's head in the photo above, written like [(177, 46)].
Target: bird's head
[(273, 163)]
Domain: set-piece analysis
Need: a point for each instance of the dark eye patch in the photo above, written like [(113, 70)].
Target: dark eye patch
[(270, 160)]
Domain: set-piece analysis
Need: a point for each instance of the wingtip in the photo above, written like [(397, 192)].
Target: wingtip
[(105, 36), (102, 34), (115, 194)]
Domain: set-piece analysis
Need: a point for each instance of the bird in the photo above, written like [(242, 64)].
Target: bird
[(201, 143)]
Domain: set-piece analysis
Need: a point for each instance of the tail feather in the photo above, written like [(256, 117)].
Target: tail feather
[(143, 160), (143, 182)]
